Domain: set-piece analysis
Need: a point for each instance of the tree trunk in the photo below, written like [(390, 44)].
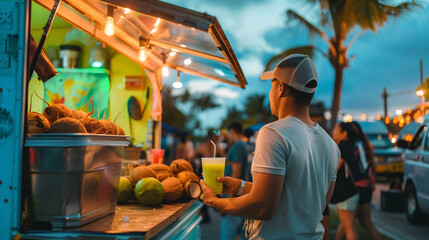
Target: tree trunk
[(335, 107)]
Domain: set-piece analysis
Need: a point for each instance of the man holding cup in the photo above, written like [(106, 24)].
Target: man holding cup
[(294, 167)]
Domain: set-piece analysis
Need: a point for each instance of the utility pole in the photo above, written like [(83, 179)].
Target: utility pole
[(421, 82), (384, 96)]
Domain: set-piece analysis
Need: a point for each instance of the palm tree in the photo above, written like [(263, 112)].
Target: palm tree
[(257, 110), (339, 19)]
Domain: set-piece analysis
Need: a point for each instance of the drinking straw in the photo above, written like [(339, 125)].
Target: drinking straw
[(214, 145)]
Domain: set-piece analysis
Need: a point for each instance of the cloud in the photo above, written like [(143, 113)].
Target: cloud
[(226, 93), (202, 85), (252, 65)]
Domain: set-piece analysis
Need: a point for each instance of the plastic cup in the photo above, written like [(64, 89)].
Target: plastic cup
[(157, 156), (212, 169)]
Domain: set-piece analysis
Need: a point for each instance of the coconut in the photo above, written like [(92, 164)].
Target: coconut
[(185, 176), (181, 165), (192, 190), (160, 168), (173, 189), (57, 111), (141, 172), (119, 130), (79, 114), (67, 125), (91, 124), (162, 175), (37, 123)]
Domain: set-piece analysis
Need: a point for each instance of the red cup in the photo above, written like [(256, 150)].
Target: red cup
[(157, 156)]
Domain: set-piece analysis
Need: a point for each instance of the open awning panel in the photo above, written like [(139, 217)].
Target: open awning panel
[(185, 40)]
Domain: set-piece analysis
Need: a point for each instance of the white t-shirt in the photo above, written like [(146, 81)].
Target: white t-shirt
[(308, 158)]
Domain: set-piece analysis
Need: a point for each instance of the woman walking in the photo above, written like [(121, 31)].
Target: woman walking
[(345, 197), (366, 186)]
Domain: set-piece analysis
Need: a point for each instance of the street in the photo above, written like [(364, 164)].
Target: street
[(393, 225)]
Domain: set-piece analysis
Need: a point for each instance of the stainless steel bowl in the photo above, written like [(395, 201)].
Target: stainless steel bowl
[(74, 177)]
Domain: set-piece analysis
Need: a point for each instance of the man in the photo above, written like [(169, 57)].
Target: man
[(295, 163), (236, 165)]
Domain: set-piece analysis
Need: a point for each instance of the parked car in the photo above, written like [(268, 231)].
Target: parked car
[(388, 158), (416, 174)]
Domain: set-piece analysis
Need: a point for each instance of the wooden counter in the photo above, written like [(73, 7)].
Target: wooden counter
[(143, 222)]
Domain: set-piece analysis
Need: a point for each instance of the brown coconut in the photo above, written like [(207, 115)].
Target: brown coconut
[(160, 168), (57, 111), (79, 114), (181, 165), (119, 130), (162, 175), (173, 189), (186, 176), (141, 172), (37, 123), (192, 190), (91, 124), (67, 125)]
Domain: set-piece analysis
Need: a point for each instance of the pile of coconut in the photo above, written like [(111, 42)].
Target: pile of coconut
[(58, 118), (179, 180)]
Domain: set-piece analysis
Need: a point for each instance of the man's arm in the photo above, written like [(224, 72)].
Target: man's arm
[(260, 203), (330, 192)]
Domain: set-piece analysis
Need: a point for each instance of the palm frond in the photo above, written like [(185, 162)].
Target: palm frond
[(293, 17), (307, 50)]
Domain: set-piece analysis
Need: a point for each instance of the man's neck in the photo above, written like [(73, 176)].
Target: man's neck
[(300, 112)]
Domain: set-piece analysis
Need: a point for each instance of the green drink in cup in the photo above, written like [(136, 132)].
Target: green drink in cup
[(212, 169)]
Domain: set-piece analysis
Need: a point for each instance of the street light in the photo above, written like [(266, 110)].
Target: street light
[(398, 111), (420, 93)]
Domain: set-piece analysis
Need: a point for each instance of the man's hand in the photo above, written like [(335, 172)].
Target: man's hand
[(208, 196), (230, 185)]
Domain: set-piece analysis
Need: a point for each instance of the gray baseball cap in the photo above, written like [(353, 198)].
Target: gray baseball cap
[(296, 71)]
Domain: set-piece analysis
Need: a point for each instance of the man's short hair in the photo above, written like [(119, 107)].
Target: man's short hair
[(300, 97), (236, 126)]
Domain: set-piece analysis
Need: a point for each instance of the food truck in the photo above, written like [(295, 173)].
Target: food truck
[(94, 57)]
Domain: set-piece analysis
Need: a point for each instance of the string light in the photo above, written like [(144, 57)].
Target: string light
[(145, 49), (109, 29), (158, 21), (187, 61), (177, 83), (173, 52), (165, 71)]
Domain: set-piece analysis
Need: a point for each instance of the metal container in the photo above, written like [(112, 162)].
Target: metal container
[(74, 177)]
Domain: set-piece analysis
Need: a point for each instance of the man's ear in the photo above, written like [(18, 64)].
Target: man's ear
[(282, 89)]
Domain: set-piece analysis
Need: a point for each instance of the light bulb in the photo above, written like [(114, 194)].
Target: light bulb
[(109, 30), (172, 54), (143, 53), (187, 61), (127, 10), (177, 84), (165, 71)]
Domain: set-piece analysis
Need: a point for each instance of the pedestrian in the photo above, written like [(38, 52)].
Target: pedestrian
[(173, 146), (294, 166), (185, 148), (236, 165), (365, 186), (345, 197), (165, 145), (249, 139)]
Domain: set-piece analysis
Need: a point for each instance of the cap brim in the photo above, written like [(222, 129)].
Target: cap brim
[(267, 75)]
